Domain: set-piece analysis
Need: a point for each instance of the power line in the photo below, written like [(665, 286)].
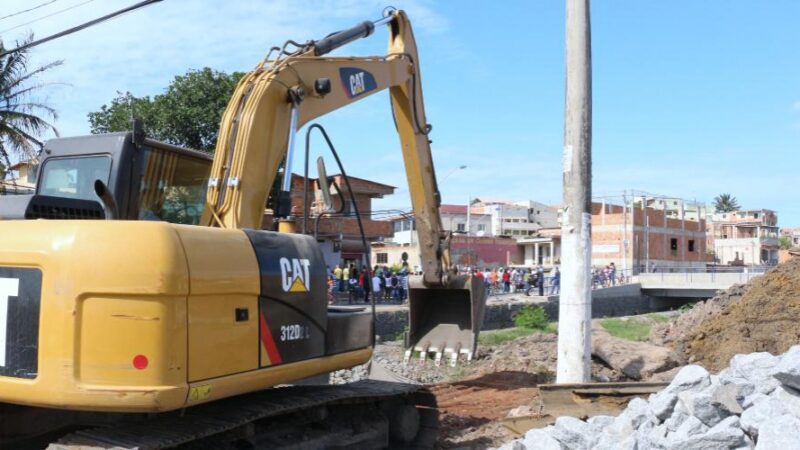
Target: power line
[(28, 10), (81, 27), (45, 17)]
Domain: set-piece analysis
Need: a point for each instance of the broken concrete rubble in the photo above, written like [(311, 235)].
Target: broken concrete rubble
[(637, 360), (754, 403)]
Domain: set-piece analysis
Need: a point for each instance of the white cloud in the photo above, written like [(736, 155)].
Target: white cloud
[(143, 50)]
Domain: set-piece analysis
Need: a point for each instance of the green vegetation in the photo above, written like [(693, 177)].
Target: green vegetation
[(22, 116), (187, 114), (630, 329), (785, 242), (686, 308), (531, 317), (725, 203), (658, 317), (498, 337)]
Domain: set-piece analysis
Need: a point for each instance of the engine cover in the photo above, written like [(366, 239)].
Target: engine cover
[(293, 301)]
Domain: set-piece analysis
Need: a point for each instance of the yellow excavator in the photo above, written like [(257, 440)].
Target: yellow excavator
[(165, 324)]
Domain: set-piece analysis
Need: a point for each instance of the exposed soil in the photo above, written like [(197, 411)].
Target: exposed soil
[(765, 319), (675, 331), (470, 410), (501, 378)]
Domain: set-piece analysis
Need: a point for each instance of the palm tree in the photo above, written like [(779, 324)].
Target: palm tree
[(21, 115), (726, 203)]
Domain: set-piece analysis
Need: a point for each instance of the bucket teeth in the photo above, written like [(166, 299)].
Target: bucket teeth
[(453, 358), (438, 357), (407, 357), (423, 355)]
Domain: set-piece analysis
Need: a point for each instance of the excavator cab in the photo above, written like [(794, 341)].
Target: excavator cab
[(445, 320)]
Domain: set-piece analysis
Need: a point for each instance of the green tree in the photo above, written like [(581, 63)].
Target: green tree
[(23, 119), (726, 203), (785, 242), (186, 114)]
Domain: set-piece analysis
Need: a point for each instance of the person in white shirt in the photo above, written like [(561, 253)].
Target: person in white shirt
[(376, 287)]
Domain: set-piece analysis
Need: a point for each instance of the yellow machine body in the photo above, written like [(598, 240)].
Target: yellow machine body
[(115, 292), (139, 316)]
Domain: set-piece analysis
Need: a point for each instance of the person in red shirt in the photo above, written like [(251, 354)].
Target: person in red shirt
[(506, 281)]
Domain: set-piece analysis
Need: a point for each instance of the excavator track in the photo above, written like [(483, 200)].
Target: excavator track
[(362, 414)]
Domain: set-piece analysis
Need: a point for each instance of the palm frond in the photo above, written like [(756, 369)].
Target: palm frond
[(21, 121), (27, 76)]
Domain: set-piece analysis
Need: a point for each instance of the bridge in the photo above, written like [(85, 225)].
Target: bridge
[(690, 284)]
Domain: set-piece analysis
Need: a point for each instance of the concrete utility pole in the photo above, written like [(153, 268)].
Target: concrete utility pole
[(575, 304)]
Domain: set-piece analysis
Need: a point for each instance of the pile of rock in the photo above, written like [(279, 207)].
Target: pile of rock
[(755, 402), (345, 376)]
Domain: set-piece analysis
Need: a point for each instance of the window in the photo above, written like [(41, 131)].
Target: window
[(673, 246), (461, 227), (755, 215), (398, 226), (173, 187), (382, 258), (74, 177), (481, 227), (691, 245)]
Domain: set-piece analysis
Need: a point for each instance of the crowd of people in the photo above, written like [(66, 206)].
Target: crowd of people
[(384, 284), (514, 279), (389, 285), (509, 280), (606, 277)]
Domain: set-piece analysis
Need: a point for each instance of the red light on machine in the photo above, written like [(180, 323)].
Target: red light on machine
[(140, 362)]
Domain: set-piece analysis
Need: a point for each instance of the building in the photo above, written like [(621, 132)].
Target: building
[(517, 220), (634, 237), (793, 234), (461, 219), (338, 234), (674, 207), (465, 251), (544, 248), (639, 239), (19, 178), (746, 237), (454, 219)]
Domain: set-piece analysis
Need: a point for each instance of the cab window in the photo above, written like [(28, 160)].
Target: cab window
[(173, 187), (74, 177)]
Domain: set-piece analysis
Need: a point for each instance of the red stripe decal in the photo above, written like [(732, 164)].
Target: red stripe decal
[(269, 343)]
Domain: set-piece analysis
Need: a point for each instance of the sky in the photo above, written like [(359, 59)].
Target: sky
[(690, 99)]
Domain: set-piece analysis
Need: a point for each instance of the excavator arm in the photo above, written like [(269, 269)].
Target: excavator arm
[(258, 131)]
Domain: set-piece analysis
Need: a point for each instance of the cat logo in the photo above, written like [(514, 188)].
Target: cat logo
[(356, 81), (294, 275), (356, 84)]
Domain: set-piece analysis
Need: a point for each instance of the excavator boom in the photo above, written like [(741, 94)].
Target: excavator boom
[(258, 132)]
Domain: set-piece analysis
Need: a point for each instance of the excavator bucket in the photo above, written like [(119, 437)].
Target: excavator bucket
[(445, 320)]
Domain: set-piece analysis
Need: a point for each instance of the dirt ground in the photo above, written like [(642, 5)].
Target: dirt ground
[(674, 332), (765, 319), (470, 410), (500, 378), (763, 315)]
